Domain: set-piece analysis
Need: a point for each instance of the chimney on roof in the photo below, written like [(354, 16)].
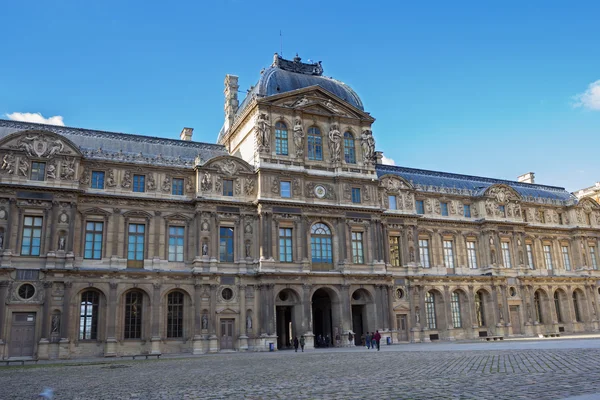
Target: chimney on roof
[(186, 134), (527, 178), (231, 99)]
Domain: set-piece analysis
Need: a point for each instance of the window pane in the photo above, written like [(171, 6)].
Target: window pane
[(285, 189)]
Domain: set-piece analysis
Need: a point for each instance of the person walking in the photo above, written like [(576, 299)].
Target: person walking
[(377, 338), (373, 340), (368, 340), (296, 343), (302, 342)]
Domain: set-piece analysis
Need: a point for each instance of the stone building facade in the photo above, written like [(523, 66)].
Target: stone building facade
[(116, 244)]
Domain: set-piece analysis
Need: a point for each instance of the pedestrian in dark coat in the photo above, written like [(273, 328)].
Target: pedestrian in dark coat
[(302, 342), (377, 338), (296, 342)]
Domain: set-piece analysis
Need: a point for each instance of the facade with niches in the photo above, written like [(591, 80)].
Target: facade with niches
[(115, 244)]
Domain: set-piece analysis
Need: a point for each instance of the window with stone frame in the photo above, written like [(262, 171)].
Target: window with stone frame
[(455, 308), (177, 187), (395, 251), (430, 314), (576, 306), (392, 202), (444, 209), (285, 245), (94, 231), (139, 183), (448, 247), (357, 248), (321, 245), (132, 327), (547, 248), (136, 241), (420, 207), (537, 304), (349, 148), (530, 259), (593, 257), (285, 189), (88, 315), (228, 187), (480, 309), (97, 181), (505, 246), (559, 317), (175, 303), (467, 210), (176, 242), (314, 141), (226, 242), (424, 252), (566, 258), (471, 254), (356, 198), (31, 237), (281, 139), (38, 171)]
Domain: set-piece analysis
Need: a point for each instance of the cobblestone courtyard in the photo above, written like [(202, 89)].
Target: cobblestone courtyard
[(509, 370)]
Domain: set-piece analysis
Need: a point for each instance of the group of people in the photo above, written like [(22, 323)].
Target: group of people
[(300, 342), (372, 340)]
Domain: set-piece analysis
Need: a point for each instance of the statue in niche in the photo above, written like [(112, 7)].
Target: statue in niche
[(204, 322), (248, 228), (500, 313), (521, 257), (2, 240), (367, 143), (204, 249), (55, 323), (263, 132), (411, 254), (417, 316), (206, 183), (493, 257), (126, 181), (205, 225), (248, 249), (335, 142), (299, 138), (249, 322), (23, 167), (61, 243)]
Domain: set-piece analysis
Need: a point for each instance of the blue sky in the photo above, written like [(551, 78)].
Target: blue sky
[(463, 87)]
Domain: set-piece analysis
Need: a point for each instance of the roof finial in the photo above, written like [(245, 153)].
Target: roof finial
[(297, 59)]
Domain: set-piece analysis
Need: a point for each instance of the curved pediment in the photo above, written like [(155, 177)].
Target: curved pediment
[(588, 204), (502, 193), (40, 144), (229, 165), (394, 183)]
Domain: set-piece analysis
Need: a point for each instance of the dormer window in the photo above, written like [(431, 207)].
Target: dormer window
[(349, 149), (315, 144), (227, 187), (281, 139), (38, 171)]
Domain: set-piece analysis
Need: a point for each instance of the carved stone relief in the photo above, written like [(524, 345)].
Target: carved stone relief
[(151, 183), (367, 143), (126, 181), (206, 183), (299, 138), (263, 133), (335, 143), (67, 172), (8, 164)]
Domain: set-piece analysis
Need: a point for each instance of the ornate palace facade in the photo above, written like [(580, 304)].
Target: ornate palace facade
[(115, 244)]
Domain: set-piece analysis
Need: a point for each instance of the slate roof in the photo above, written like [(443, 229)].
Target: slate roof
[(445, 182), (125, 147)]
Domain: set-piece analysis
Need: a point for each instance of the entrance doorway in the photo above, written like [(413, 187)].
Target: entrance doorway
[(227, 334), (515, 320), (358, 326), (402, 328), (322, 319), (22, 335), (284, 327)]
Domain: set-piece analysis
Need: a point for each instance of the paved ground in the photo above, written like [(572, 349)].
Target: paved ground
[(508, 370)]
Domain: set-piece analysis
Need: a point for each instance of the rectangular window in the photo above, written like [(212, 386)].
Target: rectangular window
[(281, 139), (444, 207), (285, 189), (38, 171), (93, 240), (357, 248), (139, 183), (315, 144), (392, 202), (593, 257), (502, 211), (467, 210), (285, 244), (177, 187), (176, 243), (227, 187), (356, 195), (424, 252), (566, 259), (32, 236), (448, 253), (97, 180), (548, 256), (471, 255), (395, 251), (560, 219), (529, 248), (506, 254), (420, 207), (542, 216), (226, 244), (455, 307), (135, 245)]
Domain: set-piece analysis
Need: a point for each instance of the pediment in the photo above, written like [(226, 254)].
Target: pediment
[(316, 100), (226, 310), (137, 214), (588, 204), (502, 193), (95, 211), (177, 217), (228, 165), (39, 144), (394, 183), (402, 307)]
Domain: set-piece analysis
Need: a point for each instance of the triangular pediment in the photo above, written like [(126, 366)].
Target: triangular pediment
[(316, 100)]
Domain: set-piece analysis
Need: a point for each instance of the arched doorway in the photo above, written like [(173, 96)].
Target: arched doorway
[(321, 247), (287, 315), (322, 318), (361, 302)]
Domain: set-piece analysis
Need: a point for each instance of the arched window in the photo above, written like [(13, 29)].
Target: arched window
[(175, 315), (537, 303), (479, 309), (320, 243), (315, 144), (132, 329), (88, 315), (576, 307), (349, 149), (281, 139), (557, 307), (455, 306), (430, 310)]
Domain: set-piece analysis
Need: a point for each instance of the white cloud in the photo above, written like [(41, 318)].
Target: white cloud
[(589, 99), (388, 161), (38, 118)]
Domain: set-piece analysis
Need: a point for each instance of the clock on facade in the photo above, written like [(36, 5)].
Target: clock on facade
[(320, 191)]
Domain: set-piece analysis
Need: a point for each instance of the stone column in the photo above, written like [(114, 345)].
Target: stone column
[(507, 321), (198, 343), (43, 345), (341, 228), (213, 347), (386, 247), (116, 227), (260, 311), (10, 244), (497, 321), (414, 317), (156, 306), (591, 304), (271, 309), (243, 345), (3, 293), (423, 314), (110, 347), (307, 315), (377, 314), (63, 349), (472, 316), (214, 234), (448, 311), (390, 307)]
